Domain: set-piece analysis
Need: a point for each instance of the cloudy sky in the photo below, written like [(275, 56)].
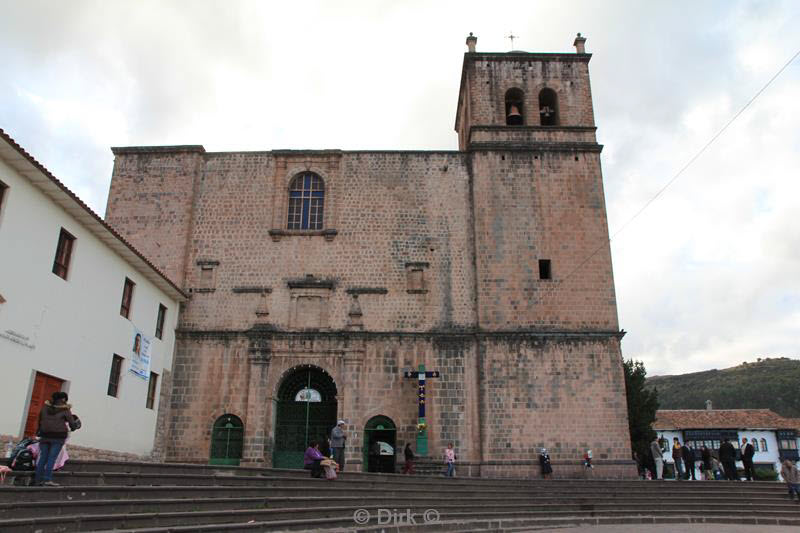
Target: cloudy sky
[(707, 277)]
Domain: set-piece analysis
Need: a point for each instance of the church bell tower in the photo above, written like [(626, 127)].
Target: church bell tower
[(527, 123)]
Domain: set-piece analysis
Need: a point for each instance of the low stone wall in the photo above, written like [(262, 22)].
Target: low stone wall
[(563, 470), (85, 453), (602, 469)]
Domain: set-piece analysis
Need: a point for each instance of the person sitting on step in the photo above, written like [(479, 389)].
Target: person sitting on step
[(312, 459)]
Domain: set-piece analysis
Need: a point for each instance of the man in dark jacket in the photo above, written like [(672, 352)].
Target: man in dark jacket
[(408, 467), (747, 460), (688, 461), (727, 456), (705, 456), (55, 422)]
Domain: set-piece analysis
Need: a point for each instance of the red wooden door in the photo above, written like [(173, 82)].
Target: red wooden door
[(43, 388)]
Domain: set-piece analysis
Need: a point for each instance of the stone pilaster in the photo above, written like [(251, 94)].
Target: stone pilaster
[(349, 398), (256, 434)]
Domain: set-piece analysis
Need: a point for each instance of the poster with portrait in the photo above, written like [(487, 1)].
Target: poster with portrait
[(140, 354)]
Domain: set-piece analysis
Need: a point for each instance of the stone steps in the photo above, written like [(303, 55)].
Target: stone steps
[(267, 478), (159, 505), (149, 497), (337, 516)]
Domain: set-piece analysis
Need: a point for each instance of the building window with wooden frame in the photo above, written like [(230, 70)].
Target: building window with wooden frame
[(306, 202), (63, 254), (152, 388), (114, 376), (127, 298), (162, 314), (3, 189)]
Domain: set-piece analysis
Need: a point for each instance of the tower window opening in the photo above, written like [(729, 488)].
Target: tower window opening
[(544, 269), (515, 115), (548, 107)]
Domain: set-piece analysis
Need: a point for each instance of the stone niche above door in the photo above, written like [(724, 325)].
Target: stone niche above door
[(310, 303)]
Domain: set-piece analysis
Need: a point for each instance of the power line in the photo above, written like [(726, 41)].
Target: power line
[(686, 166)]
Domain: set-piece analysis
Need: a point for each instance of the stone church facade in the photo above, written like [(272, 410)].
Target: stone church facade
[(318, 276)]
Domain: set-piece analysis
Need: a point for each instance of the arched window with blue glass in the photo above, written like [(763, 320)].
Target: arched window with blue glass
[(306, 202)]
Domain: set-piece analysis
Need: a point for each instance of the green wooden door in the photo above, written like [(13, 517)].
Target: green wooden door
[(379, 448), (227, 439), (305, 412)]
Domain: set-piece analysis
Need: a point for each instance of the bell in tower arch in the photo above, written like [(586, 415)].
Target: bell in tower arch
[(514, 110), (514, 117)]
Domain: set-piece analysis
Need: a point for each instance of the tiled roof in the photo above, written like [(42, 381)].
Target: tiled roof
[(722, 419)]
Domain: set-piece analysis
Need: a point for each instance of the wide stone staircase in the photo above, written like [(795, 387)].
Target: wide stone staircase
[(147, 497)]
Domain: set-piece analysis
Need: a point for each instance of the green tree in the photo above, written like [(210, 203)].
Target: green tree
[(642, 407)]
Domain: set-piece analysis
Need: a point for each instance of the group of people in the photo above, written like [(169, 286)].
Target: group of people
[(713, 466), (721, 465), (685, 459), (327, 457)]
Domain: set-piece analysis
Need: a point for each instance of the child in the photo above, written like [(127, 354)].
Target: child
[(450, 460)]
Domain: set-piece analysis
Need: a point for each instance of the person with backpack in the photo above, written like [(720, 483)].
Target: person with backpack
[(55, 422)]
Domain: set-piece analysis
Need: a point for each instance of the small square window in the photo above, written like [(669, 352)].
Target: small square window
[(63, 254), (114, 377), (127, 298), (544, 269), (162, 313), (152, 387)]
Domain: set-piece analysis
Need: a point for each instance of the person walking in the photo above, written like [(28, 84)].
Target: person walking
[(677, 458), (450, 460), (55, 422), (658, 458), (748, 451), (544, 462), (705, 457), (727, 456), (716, 468), (791, 476), (338, 438), (688, 461), (408, 467)]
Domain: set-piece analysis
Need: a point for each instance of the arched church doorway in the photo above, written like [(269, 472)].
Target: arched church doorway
[(380, 440), (305, 412), (227, 438)]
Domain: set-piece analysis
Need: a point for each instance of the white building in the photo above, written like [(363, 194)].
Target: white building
[(80, 311), (773, 437)]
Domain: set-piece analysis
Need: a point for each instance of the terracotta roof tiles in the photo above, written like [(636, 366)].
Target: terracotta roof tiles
[(722, 419)]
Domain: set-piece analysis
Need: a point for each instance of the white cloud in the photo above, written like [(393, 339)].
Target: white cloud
[(706, 277)]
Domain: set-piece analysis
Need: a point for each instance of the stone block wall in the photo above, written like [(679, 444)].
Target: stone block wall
[(86, 453), (537, 206), (390, 212), (566, 394), (150, 202)]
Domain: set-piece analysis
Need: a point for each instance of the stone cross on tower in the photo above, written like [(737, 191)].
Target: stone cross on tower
[(422, 426), (512, 37)]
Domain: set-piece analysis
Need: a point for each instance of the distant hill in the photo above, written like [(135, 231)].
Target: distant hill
[(767, 384)]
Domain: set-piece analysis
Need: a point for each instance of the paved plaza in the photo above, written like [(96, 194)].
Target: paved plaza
[(672, 528)]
